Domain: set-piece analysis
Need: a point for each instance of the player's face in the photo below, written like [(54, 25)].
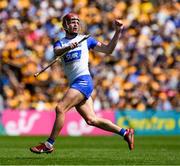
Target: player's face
[(73, 26)]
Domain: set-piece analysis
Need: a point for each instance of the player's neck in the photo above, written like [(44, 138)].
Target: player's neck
[(71, 35)]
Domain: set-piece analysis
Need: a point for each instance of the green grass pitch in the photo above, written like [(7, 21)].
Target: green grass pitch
[(149, 150)]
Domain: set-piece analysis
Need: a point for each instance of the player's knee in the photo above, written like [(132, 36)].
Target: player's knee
[(59, 109), (91, 121)]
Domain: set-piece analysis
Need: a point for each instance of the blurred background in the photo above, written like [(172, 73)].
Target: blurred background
[(141, 76)]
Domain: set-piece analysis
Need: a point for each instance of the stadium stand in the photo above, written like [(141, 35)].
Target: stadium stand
[(142, 73)]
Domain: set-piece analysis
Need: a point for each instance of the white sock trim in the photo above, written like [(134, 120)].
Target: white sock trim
[(48, 145)]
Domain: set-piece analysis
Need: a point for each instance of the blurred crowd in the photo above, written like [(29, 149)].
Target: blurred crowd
[(141, 74)]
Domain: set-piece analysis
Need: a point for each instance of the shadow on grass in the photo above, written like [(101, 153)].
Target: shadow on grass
[(28, 158)]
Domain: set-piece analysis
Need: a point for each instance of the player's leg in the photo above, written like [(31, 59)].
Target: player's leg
[(85, 109), (71, 98)]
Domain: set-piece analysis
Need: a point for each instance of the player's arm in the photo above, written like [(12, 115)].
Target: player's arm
[(108, 49), (59, 50)]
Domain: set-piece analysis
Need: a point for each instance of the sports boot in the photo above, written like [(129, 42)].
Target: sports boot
[(129, 138), (41, 148)]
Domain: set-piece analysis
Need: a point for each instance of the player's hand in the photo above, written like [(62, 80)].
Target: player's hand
[(73, 45), (118, 25)]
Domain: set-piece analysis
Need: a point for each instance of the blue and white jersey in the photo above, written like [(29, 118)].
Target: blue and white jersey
[(75, 62)]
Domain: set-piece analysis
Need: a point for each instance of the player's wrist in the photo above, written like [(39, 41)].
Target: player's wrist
[(66, 48)]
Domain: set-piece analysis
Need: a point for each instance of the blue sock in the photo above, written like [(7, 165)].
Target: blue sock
[(51, 141), (122, 132)]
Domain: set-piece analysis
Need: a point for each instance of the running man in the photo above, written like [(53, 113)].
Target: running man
[(75, 64)]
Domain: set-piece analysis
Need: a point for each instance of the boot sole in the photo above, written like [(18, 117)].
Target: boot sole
[(37, 152), (131, 146)]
